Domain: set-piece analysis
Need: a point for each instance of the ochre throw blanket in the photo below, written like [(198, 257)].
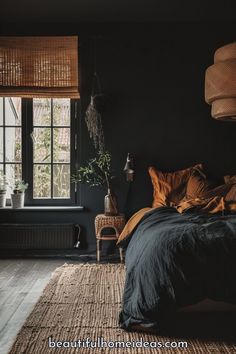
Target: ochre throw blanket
[(132, 223)]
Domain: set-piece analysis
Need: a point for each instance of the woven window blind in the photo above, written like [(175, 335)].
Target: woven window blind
[(39, 67)]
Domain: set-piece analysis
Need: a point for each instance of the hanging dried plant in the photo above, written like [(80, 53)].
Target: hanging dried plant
[(93, 120)]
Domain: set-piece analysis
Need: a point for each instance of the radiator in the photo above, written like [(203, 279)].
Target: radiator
[(39, 236)]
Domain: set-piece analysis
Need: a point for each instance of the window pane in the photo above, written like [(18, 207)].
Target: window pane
[(42, 111), (13, 172), (1, 111), (61, 111), (42, 181), (13, 111), (42, 144), (61, 144), (1, 172), (61, 181), (1, 144), (13, 144)]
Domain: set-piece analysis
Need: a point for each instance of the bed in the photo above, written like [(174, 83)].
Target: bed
[(179, 253)]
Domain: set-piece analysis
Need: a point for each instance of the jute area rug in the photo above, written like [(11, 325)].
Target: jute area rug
[(81, 303)]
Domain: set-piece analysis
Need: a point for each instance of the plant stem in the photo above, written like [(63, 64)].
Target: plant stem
[(107, 180)]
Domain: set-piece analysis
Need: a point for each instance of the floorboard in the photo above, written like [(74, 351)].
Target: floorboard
[(21, 284)]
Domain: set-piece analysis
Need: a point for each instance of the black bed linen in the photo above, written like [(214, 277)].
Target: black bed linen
[(173, 260)]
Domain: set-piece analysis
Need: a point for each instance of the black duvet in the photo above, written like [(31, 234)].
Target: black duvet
[(173, 260)]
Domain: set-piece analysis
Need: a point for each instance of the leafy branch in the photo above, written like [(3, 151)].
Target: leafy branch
[(97, 172)]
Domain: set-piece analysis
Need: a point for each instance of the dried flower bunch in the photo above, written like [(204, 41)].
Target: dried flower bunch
[(97, 171), (93, 120), (93, 114)]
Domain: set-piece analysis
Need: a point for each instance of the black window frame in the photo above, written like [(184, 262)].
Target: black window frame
[(5, 126), (27, 154)]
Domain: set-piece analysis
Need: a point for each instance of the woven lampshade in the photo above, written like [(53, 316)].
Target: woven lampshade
[(220, 83)]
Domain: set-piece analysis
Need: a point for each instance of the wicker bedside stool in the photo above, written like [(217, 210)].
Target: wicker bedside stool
[(102, 222)]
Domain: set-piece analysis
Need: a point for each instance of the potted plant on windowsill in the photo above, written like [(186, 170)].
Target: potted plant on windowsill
[(18, 196), (3, 190), (97, 173)]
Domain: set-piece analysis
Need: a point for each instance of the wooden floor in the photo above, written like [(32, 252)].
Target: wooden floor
[(21, 284)]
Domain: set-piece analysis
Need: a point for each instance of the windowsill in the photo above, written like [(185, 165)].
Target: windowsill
[(44, 208)]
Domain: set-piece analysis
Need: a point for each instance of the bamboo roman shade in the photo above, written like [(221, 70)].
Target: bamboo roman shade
[(39, 67)]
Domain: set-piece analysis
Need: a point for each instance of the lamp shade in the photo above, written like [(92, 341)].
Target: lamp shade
[(220, 83)]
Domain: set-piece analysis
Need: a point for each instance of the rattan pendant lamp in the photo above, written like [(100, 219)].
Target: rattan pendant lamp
[(220, 84)]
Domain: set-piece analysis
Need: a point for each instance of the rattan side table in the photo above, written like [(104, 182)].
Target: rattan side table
[(102, 222)]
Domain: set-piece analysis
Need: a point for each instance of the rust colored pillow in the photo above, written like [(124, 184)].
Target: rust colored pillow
[(169, 187), (197, 186), (230, 179), (231, 193)]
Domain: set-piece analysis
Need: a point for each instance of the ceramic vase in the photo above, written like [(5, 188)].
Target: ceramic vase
[(17, 200), (110, 204)]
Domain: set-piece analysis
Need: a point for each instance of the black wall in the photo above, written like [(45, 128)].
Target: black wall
[(153, 77)]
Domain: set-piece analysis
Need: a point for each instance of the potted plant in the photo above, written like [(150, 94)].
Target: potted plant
[(18, 196), (3, 190), (97, 173)]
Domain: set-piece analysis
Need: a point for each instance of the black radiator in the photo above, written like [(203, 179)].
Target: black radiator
[(39, 236)]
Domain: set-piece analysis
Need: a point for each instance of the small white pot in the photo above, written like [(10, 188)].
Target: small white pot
[(17, 200), (3, 198)]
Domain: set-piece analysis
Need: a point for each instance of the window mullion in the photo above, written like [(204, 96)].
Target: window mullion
[(27, 146), (73, 143), (4, 138), (51, 148)]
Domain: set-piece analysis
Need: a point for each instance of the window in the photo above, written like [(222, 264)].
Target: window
[(10, 140), (38, 139), (51, 154), (39, 92)]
